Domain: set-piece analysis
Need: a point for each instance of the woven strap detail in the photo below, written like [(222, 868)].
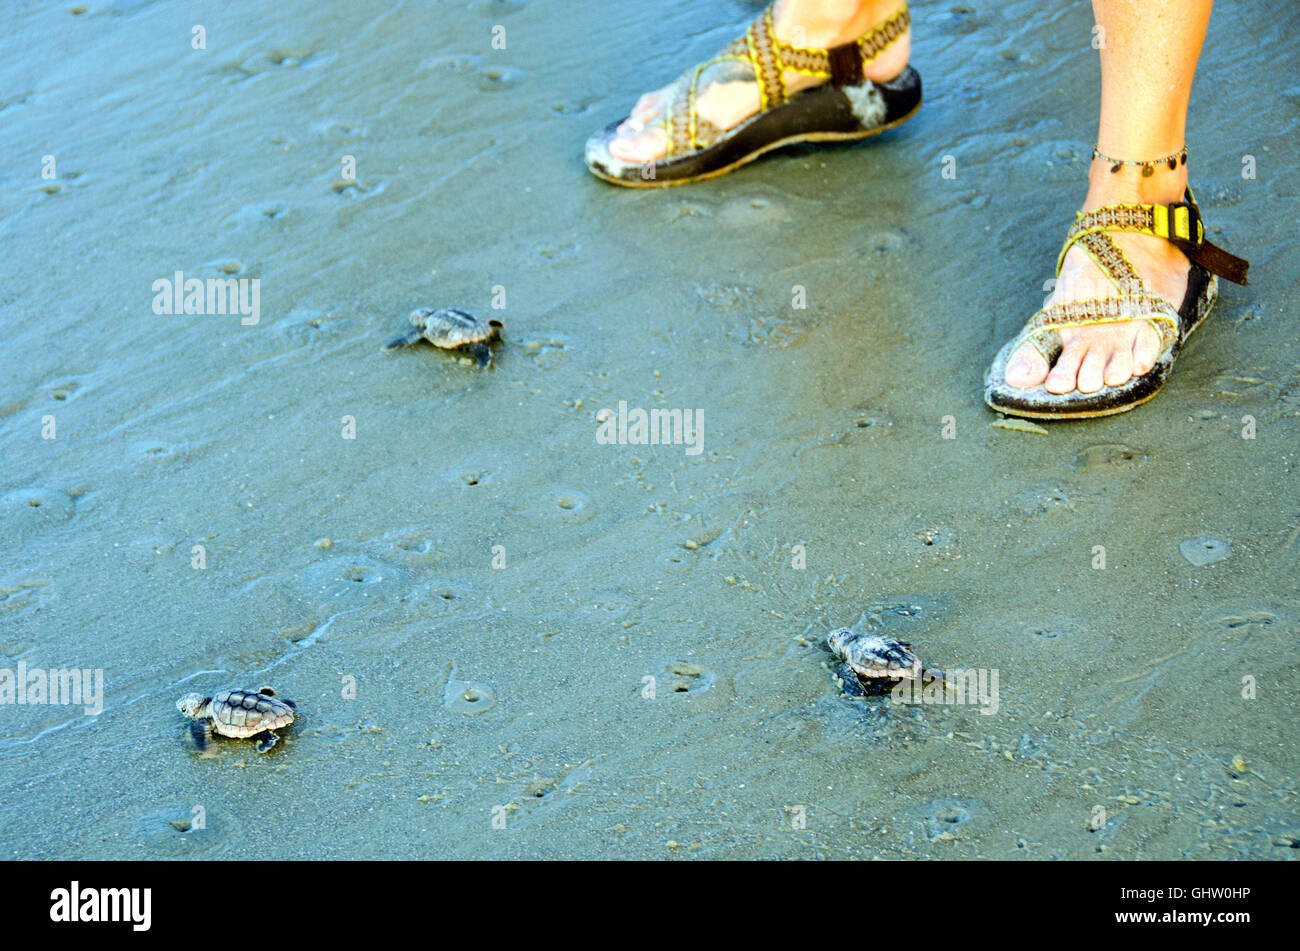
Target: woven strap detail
[(874, 43), (1042, 330), (843, 64), (770, 59), (1108, 310), (1179, 223), (680, 112), (767, 62), (1114, 263)]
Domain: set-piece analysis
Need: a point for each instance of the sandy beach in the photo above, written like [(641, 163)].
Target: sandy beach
[(511, 639)]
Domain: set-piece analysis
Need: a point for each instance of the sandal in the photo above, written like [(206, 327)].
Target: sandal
[(847, 106), (1178, 223)]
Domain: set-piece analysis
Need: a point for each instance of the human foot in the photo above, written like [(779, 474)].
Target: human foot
[(729, 96), (1109, 354)]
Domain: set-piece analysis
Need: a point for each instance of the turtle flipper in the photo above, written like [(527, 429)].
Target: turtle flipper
[(480, 352), (405, 340), (850, 682), (265, 741), (201, 731)]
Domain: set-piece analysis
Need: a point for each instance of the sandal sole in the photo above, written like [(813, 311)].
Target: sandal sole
[(1021, 413), (759, 153)]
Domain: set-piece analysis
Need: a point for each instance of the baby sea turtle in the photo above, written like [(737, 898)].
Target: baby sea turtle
[(872, 663), (239, 714), (452, 329)]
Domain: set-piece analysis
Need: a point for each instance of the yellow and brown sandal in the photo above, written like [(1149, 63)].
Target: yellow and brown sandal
[(1178, 223), (846, 106)]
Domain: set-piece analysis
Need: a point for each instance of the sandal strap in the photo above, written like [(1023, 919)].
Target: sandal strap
[(1178, 222), (681, 119), (1113, 262), (769, 58), (1043, 325), (844, 65), (761, 40), (1106, 310)]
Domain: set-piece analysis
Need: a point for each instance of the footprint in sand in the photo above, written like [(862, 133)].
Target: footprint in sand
[(1108, 457)]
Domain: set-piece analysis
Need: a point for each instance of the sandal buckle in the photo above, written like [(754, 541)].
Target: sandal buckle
[(1179, 222)]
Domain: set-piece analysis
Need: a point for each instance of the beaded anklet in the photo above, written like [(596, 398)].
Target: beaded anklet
[(1148, 167)]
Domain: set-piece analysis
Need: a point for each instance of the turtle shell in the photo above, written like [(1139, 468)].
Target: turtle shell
[(450, 328), (873, 655), (243, 713)]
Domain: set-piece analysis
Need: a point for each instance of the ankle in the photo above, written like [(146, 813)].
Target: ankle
[(821, 24), (1130, 186)]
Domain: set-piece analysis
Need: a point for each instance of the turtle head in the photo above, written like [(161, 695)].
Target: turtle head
[(838, 639), (420, 316), (193, 705)]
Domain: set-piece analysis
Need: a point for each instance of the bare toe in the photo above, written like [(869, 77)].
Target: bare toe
[(648, 106), (643, 146), (1026, 368), (1120, 367), (1065, 374), (1092, 370), (1146, 349)]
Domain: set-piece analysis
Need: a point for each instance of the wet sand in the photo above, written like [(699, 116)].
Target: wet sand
[(516, 692)]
